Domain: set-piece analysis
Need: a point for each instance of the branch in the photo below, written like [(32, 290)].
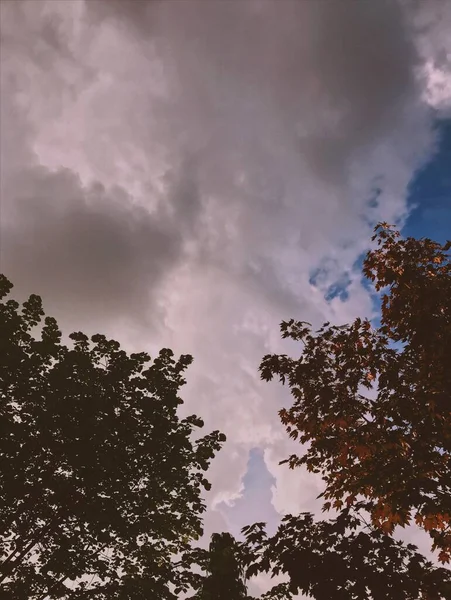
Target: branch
[(64, 577), (7, 571)]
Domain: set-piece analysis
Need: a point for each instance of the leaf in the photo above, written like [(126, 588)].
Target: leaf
[(394, 447), (99, 476)]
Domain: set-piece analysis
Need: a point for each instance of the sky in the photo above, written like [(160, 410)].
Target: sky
[(188, 173)]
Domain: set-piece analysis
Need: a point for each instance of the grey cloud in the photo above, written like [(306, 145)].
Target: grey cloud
[(278, 103), (88, 250), (285, 106), (350, 63)]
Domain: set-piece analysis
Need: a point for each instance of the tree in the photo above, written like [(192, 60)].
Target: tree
[(373, 407), (341, 560), (100, 480), (224, 566)]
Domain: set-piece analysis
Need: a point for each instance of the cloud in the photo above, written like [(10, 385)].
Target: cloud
[(90, 250), (430, 22), (195, 162), (255, 504)]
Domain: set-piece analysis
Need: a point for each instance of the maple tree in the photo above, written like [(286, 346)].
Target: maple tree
[(339, 559), (389, 451), (372, 409), (100, 480)]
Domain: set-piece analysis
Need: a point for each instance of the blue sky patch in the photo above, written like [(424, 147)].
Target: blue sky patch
[(430, 193), (255, 504)]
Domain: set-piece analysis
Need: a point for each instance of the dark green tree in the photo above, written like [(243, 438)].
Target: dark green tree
[(372, 407), (339, 559), (223, 563), (100, 480)]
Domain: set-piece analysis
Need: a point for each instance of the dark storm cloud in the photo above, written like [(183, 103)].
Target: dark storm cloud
[(267, 111), (277, 102), (348, 64), (88, 250)]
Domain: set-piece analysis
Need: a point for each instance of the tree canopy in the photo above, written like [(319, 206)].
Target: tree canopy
[(100, 480), (372, 408), (342, 559), (223, 565)]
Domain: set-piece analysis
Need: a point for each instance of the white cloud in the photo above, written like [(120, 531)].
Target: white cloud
[(430, 22)]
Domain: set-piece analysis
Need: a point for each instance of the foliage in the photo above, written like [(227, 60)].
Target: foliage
[(374, 404), (100, 481), (223, 563), (340, 560), (372, 408)]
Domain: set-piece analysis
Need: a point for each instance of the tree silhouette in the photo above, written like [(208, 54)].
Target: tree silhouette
[(100, 481), (373, 406), (341, 560), (225, 570)]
